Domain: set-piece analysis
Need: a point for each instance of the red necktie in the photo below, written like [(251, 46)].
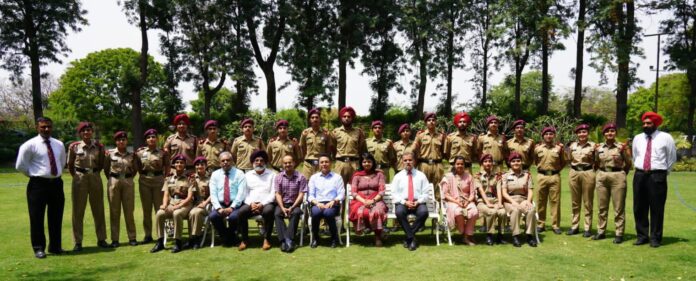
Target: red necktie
[(646, 160), (410, 186), (51, 158), (227, 190)]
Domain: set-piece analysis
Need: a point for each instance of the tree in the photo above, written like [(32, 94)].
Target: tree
[(36, 31), (551, 28), (451, 26), (579, 58), (16, 100), (350, 34), (675, 91), (221, 109), (503, 95), (482, 42)]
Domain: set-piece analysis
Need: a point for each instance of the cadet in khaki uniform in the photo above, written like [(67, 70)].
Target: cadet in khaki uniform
[(429, 149), (176, 204), (85, 161), (402, 146), (349, 144), (522, 145), (120, 167), (581, 179), (382, 149), (516, 188), (182, 142), (493, 143), (154, 164), (201, 200), (613, 161), (550, 159), (314, 141), (244, 145), (211, 146), (461, 143), (487, 184), (282, 145)]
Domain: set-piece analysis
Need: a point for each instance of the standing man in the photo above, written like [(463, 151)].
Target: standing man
[(282, 145), (349, 144), (211, 146), (290, 187), (522, 145), (244, 145), (154, 166), (550, 160), (410, 193), (581, 180), (430, 147), (314, 141), (85, 161), (227, 196), (41, 159), (493, 143), (382, 149), (461, 143), (182, 142), (402, 146), (654, 153)]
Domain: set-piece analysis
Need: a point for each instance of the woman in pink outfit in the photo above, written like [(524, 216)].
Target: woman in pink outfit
[(367, 210), (459, 196)]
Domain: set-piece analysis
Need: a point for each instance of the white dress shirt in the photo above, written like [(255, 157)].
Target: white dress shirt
[(325, 188), (663, 152), (33, 161), (399, 187), (259, 187)]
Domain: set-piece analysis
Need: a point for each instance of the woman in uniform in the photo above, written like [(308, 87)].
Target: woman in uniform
[(201, 200), (176, 204), (518, 194), (487, 184)]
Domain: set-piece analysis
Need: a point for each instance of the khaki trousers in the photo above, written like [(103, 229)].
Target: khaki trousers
[(491, 215), (197, 218), (121, 195), (88, 187), (178, 215), (150, 189), (611, 186), (516, 215), (549, 191), (434, 173), (582, 186)]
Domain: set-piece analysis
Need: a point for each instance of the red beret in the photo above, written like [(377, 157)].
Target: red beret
[(346, 109), (314, 111), (608, 126), (178, 157), (491, 119), (429, 115), (514, 155), (181, 118), (120, 134), (246, 121), (282, 122), (518, 122), (210, 123), (403, 127), (83, 125), (150, 132), (654, 117), (198, 160), (484, 157), (376, 123), (548, 129), (257, 154), (582, 127), (460, 116)]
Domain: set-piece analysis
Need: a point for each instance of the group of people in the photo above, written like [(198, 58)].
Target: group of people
[(231, 182)]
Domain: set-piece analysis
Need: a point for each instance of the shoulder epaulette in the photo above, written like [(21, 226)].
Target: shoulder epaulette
[(171, 136), (201, 141), (74, 144), (141, 148)]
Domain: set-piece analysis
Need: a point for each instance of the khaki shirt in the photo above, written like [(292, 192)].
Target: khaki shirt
[(489, 182), (461, 145), (430, 146), (211, 151), (315, 143), (201, 185), (517, 184), (186, 146), (581, 156), (383, 151), (277, 149), (400, 148), (493, 145), (549, 158), (524, 148), (349, 143), (83, 156), (241, 151), (178, 187), (152, 160), (613, 156), (120, 163)]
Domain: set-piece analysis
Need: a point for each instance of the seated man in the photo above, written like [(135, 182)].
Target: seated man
[(290, 188), (227, 196), (326, 191), (409, 193), (260, 196)]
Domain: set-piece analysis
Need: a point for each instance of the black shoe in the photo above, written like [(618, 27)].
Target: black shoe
[(314, 244), (655, 244), (291, 246), (641, 241), (587, 234), (146, 240), (531, 241), (557, 231), (177, 246), (516, 242), (103, 244), (599, 236), (571, 231), (133, 242), (489, 239), (77, 248), (40, 254), (159, 246), (499, 239), (114, 244), (190, 242), (57, 251), (334, 243), (541, 229), (618, 239), (413, 245), (406, 243), (283, 247)]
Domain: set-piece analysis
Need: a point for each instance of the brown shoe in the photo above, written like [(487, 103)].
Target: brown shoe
[(378, 241), (266, 245), (468, 241), (242, 246)]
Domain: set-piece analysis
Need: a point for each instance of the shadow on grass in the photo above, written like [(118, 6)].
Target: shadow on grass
[(89, 250), (74, 273)]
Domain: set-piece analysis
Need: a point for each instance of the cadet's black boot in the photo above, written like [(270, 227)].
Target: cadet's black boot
[(516, 242), (531, 240), (196, 242), (489, 239), (190, 242), (159, 246), (499, 239), (177, 246)]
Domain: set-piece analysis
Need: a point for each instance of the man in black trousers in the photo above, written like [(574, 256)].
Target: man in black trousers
[(42, 159), (654, 153)]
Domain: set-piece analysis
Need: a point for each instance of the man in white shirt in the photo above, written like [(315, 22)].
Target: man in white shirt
[(654, 153), (260, 195), (409, 193), (42, 159)]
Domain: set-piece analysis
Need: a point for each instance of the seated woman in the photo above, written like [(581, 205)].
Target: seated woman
[(176, 204), (367, 210), (518, 194), (201, 200), (460, 200)]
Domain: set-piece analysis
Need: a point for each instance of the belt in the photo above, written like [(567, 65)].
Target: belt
[(430, 161), (607, 169), (518, 195), (45, 179), (581, 168), (312, 162), (490, 195), (151, 173), (548, 173), (651, 171), (115, 175), (347, 159), (85, 170)]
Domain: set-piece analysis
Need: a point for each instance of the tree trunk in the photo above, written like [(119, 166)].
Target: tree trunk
[(423, 78), (544, 108), (270, 88), (30, 30), (691, 75), (342, 68), (579, 63), (450, 65), (484, 82), (518, 89), (625, 44), (136, 100)]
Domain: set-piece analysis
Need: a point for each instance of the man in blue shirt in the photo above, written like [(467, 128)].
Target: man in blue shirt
[(227, 186), (409, 193), (326, 192)]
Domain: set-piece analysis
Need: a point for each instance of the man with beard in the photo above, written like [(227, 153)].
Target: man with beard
[(460, 143)]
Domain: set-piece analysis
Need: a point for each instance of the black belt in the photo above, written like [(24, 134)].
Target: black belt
[(312, 162), (490, 195), (651, 171), (581, 168), (85, 171), (548, 173), (606, 169), (151, 174), (45, 179), (115, 175), (429, 161), (347, 159)]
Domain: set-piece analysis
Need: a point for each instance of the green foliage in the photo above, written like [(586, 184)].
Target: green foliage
[(264, 123), (502, 96), (686, 164), (296, 118), (221, 108), (673, 103)]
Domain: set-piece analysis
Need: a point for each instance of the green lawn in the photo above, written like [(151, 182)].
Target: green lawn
[(559, 257)]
